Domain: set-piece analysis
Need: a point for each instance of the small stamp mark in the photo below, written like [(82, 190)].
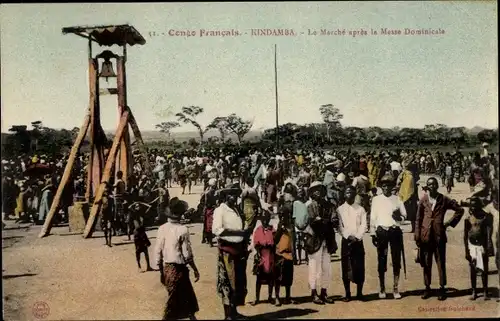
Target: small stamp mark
[(41, 309)]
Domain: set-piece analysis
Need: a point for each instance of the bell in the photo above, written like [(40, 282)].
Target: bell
[(107, 70)]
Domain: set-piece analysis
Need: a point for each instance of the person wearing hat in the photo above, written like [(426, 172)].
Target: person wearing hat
[(485, 152), (208, 203), (387, 213), (430, 233), (233, 240), (352, 225), (320, 242), (173, 254)]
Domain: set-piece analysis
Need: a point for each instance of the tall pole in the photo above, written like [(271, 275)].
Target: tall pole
[(276, 95)]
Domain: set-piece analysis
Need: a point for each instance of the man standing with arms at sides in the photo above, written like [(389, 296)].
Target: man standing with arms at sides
[(430, 233), (387, 213), (352, 219)]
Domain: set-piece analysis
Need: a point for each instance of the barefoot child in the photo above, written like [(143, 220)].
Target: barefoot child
[(263, 239), (142, 243), (477, 228), (283, 266), (107, 214)]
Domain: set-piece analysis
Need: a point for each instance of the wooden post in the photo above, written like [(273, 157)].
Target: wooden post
[(140, 142), (93, 68), (67, 173), (276, 94), (106, 175), (123, 159)]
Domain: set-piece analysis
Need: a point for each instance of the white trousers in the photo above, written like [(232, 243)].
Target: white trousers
[(320, 268)]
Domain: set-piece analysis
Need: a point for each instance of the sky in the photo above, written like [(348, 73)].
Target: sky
[(375, 80)]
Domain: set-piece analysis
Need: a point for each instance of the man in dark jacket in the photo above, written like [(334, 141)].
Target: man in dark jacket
[(430, 233)]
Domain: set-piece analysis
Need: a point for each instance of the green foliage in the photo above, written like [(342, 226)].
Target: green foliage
[(487, 136), (40, 140), (188, 116)]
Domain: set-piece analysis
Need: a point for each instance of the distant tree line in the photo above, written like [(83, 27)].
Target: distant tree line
[(44, 140), (39, 139), (331, 132)]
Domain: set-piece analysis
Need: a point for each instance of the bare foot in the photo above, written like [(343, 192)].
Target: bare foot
[(140, 270)]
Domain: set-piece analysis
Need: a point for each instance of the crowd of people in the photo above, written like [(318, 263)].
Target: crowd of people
[(285, 208)]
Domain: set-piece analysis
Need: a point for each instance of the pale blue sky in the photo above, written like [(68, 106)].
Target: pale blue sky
[(386, 81)]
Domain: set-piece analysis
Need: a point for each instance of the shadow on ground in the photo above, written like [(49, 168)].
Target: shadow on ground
[(14, 276), (69, 234), (12, 237), (283, 314), (308, 299), (17, 228)]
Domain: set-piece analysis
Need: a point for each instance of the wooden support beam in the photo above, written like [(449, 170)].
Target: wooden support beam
[(106, 175), (93, 102), (66, 175), (108, 91), (124, 161), (140, 142)]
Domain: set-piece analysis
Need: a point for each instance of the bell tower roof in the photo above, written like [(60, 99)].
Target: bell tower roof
[(108, 35)]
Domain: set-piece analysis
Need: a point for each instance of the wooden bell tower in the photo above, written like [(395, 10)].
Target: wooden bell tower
[(119, 157)]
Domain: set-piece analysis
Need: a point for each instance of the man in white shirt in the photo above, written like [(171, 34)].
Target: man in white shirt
[(173, 253), (232, 236), (352, 225), (387, 213)]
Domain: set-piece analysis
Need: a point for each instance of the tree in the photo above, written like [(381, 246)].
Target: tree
[(188, 116), (17, 141), (457, 135), (166, 127), (238, 126), (221, 124), (487, 136), (36, 133), (331, 116)]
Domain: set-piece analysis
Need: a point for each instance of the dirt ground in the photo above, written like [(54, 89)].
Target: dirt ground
[(64, 277)]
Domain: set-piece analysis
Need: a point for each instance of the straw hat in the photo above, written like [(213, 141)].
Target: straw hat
[(290, 187), (232, 189), (177, 208), (387, 179), (317, 186), (340, 177)]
